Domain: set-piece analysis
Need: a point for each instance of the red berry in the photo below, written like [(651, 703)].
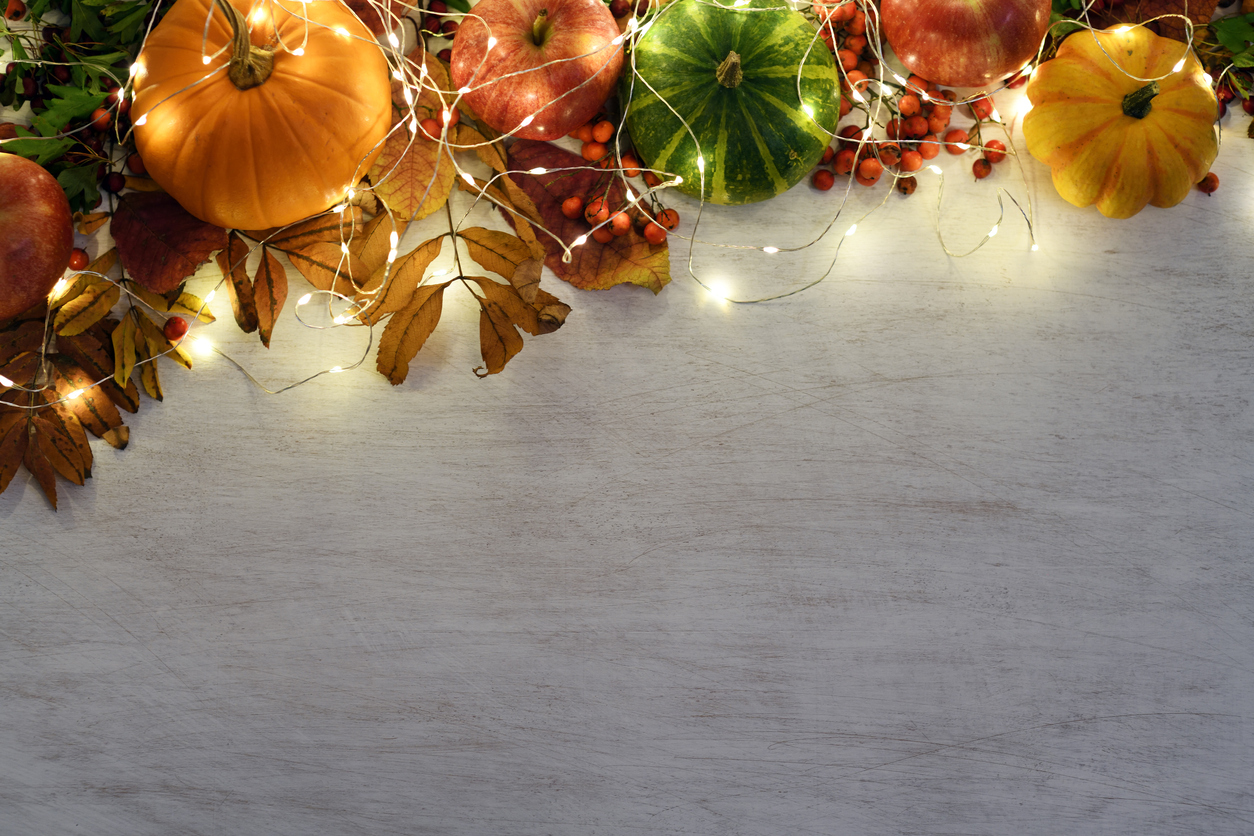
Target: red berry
[(1209, 183), (101, 119), (911, 161), (114, 181), (602, 235), (982, 108), (445, 55), (136, 164), (845, 158), (915, 127), (175, 328), (907, 185), (908, 105), (822, 179), (956, 141), (597, 211), (869, 171), (994, 150), (79, 259), (430, 128), (15, 10), (572, 207), (929, 147), (630, 165), (654, 234), (449, 29), (668, 218), (981, 168), (1248, 105), (828, 153), (620, 223)]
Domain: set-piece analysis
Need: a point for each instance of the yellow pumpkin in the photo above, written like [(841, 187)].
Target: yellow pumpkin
[(279, 123), (1113, 140)]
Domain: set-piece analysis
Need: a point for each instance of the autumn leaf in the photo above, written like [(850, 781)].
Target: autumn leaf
[(463, 137), (499, 340), (1142, 11), (407, 331), (413, 176), (149, 376), (12, 442), (593, 266), (270, 292), (331, 227), (498, 252), (191, 305), (124, 350), (118, 437), (327, 267), (158, 345), (233, 261), (86, 309), (89, 352), (86, 224), (375, 242), (92, 408), (383, 295), (37, 463), (552, 311), (159, 242), (90, 274)]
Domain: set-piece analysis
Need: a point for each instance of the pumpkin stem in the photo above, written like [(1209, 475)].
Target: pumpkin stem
[(1137, 104), (250, 65), (540, 28), (729, 73)]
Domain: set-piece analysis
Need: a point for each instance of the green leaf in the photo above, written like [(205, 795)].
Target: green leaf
[(80, 186), (82, 20), (41, 150), (1235, 33), (128, 26), (68, 104), (460, 5)]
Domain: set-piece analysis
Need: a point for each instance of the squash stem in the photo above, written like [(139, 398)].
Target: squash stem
[(540, 28), (1138, 103), (250, 65), (729, 73)]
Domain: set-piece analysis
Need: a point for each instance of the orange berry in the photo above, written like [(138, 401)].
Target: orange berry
[(572, 207), (631, 165), (597, 211), (869, 171), (929, 147), (910, 161), (584, 133), (956, 141), (602, 235), (620, 223), (908, 105), (822, 179), (603, 131), (593, 151), (654, 234), (995, 151), (668, 218), (981, 168)]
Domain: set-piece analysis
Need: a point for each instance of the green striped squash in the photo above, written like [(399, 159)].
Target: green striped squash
[(754, 137)]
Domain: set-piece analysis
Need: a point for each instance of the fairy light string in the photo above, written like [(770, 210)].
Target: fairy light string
[(872, 97)]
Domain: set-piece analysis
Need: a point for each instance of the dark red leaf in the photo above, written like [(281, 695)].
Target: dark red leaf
[(160, 244)]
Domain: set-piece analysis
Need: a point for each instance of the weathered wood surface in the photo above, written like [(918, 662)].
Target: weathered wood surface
[(940, 546)]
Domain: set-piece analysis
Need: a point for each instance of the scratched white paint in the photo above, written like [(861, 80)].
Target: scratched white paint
[(940, 547)]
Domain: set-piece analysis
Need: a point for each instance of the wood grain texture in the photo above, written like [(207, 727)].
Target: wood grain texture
[(943, 546)]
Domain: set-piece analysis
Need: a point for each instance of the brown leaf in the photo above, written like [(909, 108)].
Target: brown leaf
[(89, 352), (91, 274), (331, 228), (13, 432), (37, 463), (526, 279), (553, 311), (499, 252), (192, 305), (142, 184), (87, 224), (407, 331), (233, 262), (149, 376), (92, 408), (326, 267), (492, 154), (270, 287), (1143, 11), (63, 444), (406, 275), (24, 339), (158, 345), (499, 341), (118, 437), (124, 350), (159, 242), (375, 242), (593, 266), (412, 176), (88, 308), (506, 298)]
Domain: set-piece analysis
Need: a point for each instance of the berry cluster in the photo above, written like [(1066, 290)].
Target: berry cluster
[(435, 25)]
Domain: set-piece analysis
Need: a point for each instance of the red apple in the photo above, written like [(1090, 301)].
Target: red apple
[(553, 65), (964, 43), (36, 234)]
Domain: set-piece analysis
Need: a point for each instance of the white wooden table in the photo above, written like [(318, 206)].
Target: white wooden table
[(941, 546)]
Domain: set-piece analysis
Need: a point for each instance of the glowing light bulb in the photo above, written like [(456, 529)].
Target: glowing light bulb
[(809, 110), (857, 97), (304, 300), (993, 231), (141, 120), (352, 193), (1179, 66), (209, 298), (718, 290), (539, 170), (396, 74), (340, 320), (631, 196), (393, 239), (391, 255), (1036, 247), (413, 124), (205, 59), (408, 94), (202, 345), (299, 51), (342, 32), (468, 177), (526, 121), (394, 41), (618, 40), (771, 250), (335, 370), (75, 395), (994, 115), (58, 289), (461, 91), (580, 241), (935, 169), (5, 382), (491, 42), (1119, 30), (136, 69), (1209, 79), (700, 162), (344, 249), (339, 208), (852, 230)]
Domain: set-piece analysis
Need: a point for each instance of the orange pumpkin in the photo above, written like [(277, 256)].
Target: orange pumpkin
[(260, 136), (1113, 140)]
